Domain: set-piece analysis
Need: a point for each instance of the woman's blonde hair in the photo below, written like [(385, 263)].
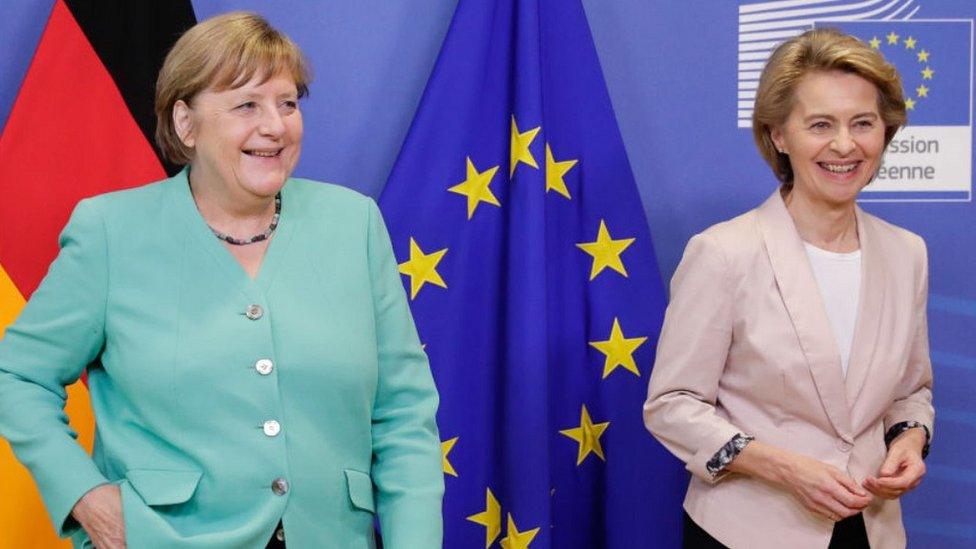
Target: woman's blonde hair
[(819, 50), (221, 53)]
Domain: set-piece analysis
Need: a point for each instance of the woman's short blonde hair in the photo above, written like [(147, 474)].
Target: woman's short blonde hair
[(221, 53), (819, 50)]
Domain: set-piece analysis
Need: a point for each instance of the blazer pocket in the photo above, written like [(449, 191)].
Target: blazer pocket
[(80, 540), (360, 490), (163, 487)]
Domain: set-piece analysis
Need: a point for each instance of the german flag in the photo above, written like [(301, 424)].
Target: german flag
[(81, 125)]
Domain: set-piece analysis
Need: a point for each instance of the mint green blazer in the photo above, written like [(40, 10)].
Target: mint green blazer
[(223, 403)]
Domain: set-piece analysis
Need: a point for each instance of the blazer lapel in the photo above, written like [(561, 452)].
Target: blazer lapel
[(191, 226), (801, 295), (868, 326)]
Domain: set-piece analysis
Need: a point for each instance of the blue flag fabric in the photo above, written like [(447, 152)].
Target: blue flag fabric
[(524, 248)]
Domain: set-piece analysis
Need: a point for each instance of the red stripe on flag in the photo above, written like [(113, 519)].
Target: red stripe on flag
[(69, 136)]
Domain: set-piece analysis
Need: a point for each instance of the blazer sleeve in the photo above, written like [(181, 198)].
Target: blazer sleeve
[(691, 354), (58, 333), (406, 470), (914, 401)]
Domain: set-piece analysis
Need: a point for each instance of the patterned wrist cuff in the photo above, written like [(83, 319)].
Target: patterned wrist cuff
[(727, 453), (900, 428)]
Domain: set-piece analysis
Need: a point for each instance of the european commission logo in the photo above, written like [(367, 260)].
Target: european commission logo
[(931, 158)]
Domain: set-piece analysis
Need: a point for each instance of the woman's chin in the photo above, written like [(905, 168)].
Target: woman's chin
[(267, 185), (836, 191)]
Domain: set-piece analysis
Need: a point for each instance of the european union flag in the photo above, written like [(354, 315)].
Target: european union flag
[(525, 251), (933, 57)]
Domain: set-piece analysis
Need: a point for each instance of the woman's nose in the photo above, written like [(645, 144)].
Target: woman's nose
[(842, 143), (271, 123)]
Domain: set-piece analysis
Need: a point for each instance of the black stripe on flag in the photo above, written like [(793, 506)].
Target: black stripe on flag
[(132, 38)]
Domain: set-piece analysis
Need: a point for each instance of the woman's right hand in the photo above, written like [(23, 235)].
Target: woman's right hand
[(821, 488), (100, 513), (825, 489)]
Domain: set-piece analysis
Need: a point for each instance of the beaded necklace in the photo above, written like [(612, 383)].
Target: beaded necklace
[(258, 237)]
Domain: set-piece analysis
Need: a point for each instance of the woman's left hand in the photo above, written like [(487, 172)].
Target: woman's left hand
[(903, 469)]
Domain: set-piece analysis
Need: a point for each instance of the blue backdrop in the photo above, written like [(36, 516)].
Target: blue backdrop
[(673, 72)]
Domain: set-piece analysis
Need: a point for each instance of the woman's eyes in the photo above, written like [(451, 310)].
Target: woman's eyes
[(287, 105), (859, 124)]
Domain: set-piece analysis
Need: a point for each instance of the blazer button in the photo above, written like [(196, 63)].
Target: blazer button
[(844, 446), (254, 311), (264, 366), (279, 486), (272, 428)]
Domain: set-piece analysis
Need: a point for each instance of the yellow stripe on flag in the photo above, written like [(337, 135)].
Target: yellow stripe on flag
[(24, 523), (11, 302)]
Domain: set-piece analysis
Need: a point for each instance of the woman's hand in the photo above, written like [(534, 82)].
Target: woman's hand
[(903, 469), (100, 513), (824, 489), (821, 488)]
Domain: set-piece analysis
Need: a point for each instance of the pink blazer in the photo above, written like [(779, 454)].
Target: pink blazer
[(747, 347)]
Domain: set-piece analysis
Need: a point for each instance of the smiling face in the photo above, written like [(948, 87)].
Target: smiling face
[(834, 136), (247, 140)]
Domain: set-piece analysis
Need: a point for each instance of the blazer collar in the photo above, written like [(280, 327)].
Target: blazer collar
[(870, 310), (801, 295), (195, 228)]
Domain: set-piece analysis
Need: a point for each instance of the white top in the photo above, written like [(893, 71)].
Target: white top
[(839, 278)]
